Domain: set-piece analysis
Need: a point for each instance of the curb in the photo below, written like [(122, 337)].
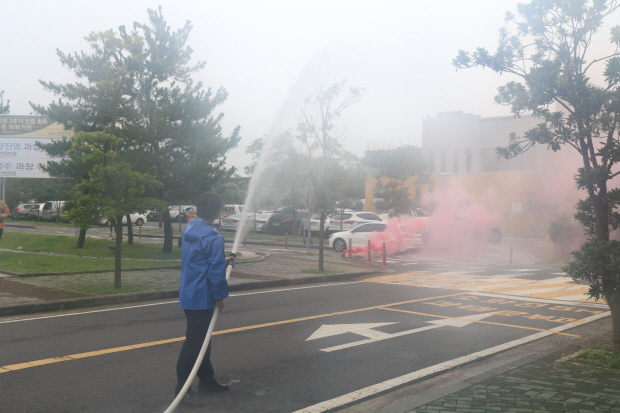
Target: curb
[(72, 303)]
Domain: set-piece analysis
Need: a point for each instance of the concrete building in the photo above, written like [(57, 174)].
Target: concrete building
[(521, 195)]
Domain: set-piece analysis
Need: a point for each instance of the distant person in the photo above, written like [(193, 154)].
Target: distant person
[(203, 286), (304, 229), (4, 212)]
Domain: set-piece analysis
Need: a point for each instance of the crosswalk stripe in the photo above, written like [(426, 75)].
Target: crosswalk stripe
[(556, 288)]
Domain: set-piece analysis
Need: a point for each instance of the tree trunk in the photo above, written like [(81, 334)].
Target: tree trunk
[(167, 248), (129, 230), (117, 253), (81, 238), (321, 238), (614, 307)]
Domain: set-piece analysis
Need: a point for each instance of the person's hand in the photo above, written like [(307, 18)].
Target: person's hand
[(230, 261), (220, 304)]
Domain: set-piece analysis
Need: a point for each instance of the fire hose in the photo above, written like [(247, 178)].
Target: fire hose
[(203, 349)]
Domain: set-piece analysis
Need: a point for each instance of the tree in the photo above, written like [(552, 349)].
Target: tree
[(316, 127), (397, 167), (110, 186), (551, 54), (317, 131), (138, 86), (4, 109)]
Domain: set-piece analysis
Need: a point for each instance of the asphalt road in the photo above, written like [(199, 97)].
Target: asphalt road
[(292, 350)]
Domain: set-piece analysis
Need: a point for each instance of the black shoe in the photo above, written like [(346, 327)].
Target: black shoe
[(211, 386), (191, 400)]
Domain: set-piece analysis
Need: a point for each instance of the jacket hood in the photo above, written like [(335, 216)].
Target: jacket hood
[(198, 228)]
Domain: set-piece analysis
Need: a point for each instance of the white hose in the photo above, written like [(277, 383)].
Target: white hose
[(201, 355)]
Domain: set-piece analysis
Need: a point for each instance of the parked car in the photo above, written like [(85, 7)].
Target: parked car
[(315, 224), (34, 213), (152, 215), (21, 211), (261, 221), (285, 221), (349, 220), (180, 214), (137, 219), (52, 211), (393, 236), (227, 210), (231, 222)]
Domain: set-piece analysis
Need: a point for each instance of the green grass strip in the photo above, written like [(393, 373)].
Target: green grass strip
[(28, 263)]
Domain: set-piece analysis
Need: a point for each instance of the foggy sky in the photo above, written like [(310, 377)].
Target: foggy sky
[(268, 53)]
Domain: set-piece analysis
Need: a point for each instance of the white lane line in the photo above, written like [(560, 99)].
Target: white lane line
[(170, 302), (433, 370)]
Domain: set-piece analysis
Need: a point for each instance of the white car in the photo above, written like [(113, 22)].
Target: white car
[(315, 224), (349, 220), (377, 233), (138, 219), (180, 214), (260, 219)]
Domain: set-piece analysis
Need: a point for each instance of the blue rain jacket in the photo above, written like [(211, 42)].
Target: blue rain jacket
[(203, 266)]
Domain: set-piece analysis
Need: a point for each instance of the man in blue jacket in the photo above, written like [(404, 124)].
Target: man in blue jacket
[(203, 286)]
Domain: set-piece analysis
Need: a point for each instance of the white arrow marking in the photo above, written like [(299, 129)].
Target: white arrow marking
[(365, 330), (373, 336)]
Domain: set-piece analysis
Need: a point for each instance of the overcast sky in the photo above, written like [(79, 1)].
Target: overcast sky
[(268, 53)]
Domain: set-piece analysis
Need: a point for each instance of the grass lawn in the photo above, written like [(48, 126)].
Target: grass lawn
[(88, 258), (94, 256), (29, 263), (93, 247)]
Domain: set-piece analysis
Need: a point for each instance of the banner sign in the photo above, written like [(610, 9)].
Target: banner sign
[(20, 157)]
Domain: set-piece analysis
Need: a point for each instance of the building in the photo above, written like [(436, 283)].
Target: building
[(522, 195)]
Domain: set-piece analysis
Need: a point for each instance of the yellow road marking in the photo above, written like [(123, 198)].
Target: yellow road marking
[(551, 294), (29, 364), (484, 322), (534, 287), (482, 283)]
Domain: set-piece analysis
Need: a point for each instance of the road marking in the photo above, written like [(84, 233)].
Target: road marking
[(373, 336), (486, 322), (170, 302), (555, 288), (387, 385), (19, 366), (363, 329)]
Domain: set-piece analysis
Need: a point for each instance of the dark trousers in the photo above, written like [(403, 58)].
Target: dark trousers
[(305, 233), (197, 326)]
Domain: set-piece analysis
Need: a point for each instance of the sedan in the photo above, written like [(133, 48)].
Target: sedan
[(315, 224), (377, 233), (350, 220), (138, 219), (254, 221)]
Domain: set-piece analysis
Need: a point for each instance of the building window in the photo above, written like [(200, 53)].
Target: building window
[(455, 161), (444, 161), (468, 160), (431, 160)]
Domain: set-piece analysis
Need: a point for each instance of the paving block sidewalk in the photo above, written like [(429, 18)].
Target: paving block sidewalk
[(537, 387)]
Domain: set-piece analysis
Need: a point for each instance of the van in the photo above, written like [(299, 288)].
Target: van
[(231, 209), (52, 211), (228, 209)]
